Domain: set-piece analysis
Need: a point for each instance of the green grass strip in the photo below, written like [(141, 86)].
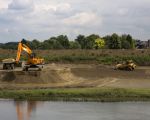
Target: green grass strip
[(79, 94)]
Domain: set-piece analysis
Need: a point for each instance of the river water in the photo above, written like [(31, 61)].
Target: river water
[(36, 110)]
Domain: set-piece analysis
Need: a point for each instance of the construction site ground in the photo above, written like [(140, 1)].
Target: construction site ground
[(74, 76)]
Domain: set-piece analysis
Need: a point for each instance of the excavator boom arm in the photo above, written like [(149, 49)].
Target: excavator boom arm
[(23, 47)]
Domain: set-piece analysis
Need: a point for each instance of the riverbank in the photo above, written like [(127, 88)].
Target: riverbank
[(79, 94)]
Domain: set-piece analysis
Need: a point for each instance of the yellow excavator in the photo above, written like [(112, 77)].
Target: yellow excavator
[(32, 61), (128, 65)]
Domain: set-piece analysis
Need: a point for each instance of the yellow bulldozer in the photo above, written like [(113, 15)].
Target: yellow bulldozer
[(128, 65), (32, 60)]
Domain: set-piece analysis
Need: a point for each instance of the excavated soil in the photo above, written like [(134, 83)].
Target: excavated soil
[(75, 75)]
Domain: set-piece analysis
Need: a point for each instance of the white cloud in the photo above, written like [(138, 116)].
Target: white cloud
[(55, 7), (63, 7), (4, 3), (21, 4), (44, 18), (83, 19), (123, 11)]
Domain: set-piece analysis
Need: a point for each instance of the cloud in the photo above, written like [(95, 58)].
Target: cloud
[(20, 4), (62, 7), (4, 3), (83, 19), (44, 18), (123, 11)]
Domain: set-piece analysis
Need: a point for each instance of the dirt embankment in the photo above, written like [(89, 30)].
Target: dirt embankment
[(75, 75)]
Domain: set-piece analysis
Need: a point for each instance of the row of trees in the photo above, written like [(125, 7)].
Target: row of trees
[(93, 41), (120, 42)]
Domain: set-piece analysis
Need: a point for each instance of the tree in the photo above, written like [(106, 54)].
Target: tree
[(10, 45), (127, 42), (63, 40), (35, 44), (90, 41), (52, 43), (107, 40), (124, 43), (81, 40), (99, 43), (131, 41), (114, 42), (49, 44), (57, 45), (74, 45)]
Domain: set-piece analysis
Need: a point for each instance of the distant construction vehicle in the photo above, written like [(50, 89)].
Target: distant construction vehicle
[(32, 60), (129, 65)]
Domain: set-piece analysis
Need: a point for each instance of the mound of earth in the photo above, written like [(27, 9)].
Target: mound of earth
[(75, 75)]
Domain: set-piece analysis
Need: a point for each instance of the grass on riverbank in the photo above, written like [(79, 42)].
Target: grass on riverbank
[(79, 94), (108, 60), (102, 56)]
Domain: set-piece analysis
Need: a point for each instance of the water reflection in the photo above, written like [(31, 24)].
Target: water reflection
[(32, 110), (25, 109)]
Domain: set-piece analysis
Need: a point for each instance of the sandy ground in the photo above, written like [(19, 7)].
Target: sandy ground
[(75, 75)]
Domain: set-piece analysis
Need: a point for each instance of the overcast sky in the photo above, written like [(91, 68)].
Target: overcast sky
[(42, 19)]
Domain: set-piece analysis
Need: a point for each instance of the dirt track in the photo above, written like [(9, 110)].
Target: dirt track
[(75, 75)]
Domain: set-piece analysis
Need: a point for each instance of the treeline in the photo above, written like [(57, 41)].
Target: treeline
[(92, 41)]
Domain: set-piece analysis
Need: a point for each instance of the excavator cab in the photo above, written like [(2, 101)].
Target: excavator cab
[(23, 41), (33, 55)]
